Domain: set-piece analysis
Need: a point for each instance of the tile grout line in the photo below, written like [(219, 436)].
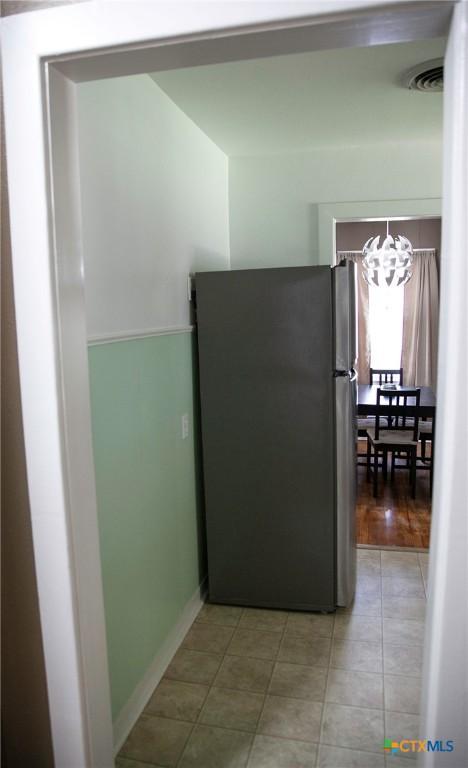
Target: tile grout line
[(235, 627), (298, 664), (275, 660), (393, 548), (384, 723), (132, 760), (257, 692), (319, 745), (293, 663), (386, 709), (262, 658), (223, 655), (376, 709), (277, 736), (424, 580), (283, 634)]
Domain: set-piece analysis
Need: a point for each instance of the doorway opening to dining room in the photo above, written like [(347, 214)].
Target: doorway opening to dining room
[(397, 330)]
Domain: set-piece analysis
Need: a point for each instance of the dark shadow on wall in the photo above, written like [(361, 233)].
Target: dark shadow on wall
[(199, 485), (25, 729), (26, 736)]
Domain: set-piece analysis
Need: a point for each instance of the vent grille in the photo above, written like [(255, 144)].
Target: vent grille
[(427, 77)]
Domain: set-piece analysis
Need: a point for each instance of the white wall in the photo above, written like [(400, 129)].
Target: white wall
[(154, 201), (273, 198)]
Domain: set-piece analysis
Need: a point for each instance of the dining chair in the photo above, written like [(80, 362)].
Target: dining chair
[(386, 376), (379, 376), (426, 434), (401, 438)]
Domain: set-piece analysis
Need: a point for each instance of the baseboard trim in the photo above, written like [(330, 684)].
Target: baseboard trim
[(142, 693)]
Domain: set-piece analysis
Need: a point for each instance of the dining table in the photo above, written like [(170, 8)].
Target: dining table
[(367, 406), (367, 401)]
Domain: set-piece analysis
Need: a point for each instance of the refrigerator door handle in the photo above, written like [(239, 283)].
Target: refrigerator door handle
[(345, 392), (344, 300)]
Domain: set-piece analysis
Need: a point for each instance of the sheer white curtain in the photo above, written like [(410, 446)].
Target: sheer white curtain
[(421, 322), (386, 325), (362, 296)]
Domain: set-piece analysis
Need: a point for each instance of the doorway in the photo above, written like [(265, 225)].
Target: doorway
[(48, 372), (396, 331)]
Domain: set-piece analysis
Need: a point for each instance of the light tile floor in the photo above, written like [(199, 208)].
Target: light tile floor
[(272, 689)]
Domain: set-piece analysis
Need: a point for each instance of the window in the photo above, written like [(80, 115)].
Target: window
[(386, 326)]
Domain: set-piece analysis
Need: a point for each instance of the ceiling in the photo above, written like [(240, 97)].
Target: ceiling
[(308, 100)]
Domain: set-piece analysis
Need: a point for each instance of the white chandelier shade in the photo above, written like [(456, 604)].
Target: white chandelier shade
[(388, 264)]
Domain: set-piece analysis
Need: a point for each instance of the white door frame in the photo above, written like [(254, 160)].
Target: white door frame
[(330, 214), (445, 675), (43, 54)]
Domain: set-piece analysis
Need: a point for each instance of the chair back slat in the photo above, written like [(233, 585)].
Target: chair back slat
[(386, 376), (404, 399)]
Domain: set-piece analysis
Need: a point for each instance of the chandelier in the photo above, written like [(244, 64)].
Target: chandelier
[(390, 264)]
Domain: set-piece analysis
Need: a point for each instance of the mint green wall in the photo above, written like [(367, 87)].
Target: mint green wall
[(147, 491), (273, 199), (154, 208)]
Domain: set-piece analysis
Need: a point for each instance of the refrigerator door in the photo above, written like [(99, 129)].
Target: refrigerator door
[(344, 280), (346, 391), (265, 340)]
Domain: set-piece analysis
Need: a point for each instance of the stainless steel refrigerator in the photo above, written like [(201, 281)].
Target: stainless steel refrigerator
[(278, 397)]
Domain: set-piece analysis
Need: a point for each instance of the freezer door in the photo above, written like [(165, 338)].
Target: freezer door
[(345, 391), (344, 281)]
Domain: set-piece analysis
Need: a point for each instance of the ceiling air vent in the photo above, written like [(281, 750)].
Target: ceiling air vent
[(427, 77)]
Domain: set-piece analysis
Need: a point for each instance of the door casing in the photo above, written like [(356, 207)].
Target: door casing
[(44, 55)]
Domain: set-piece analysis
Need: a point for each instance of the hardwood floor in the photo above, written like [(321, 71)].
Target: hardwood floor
[(393, 518)]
